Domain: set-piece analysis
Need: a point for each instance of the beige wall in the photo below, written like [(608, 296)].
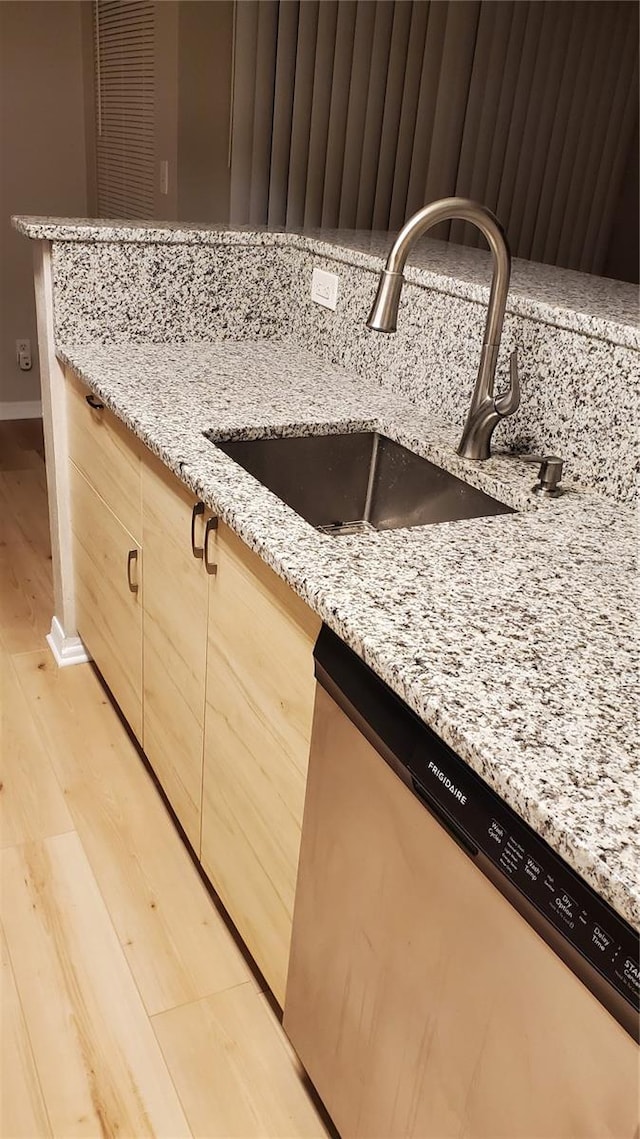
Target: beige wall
[(42, 157)]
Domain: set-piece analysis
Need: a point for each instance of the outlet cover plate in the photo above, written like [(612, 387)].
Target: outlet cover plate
[(324, 288)]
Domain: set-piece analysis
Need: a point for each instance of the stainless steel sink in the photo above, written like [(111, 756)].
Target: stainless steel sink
[(345, 484)]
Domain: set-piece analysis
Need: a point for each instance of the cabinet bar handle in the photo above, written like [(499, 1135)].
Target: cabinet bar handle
[(94, 403), (197, 511), (132, 558), (212, 524)]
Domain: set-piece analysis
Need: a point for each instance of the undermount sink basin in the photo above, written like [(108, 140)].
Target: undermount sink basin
[(351, 483)]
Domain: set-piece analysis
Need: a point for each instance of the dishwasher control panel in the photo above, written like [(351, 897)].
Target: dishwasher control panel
[(481, 821)]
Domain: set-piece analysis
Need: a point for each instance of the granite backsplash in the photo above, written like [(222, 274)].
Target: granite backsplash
[(580, 392)]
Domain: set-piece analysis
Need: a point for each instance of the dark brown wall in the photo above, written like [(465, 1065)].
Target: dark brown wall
[(624, 247)]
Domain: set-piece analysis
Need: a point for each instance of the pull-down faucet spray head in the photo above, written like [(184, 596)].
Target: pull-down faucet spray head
[(384, 313)]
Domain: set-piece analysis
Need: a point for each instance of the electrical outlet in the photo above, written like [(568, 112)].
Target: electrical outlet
[(23, 355), (324, 288)]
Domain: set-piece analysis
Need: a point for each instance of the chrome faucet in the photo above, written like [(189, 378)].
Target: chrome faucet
[(486, 410)]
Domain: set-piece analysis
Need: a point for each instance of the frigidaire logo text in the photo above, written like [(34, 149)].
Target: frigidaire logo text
[(451, 787)]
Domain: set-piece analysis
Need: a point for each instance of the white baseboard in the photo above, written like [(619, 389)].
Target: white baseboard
[(66, 650), (21, 409)]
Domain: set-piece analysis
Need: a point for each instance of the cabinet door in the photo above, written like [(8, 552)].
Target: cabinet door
[(107, 571), (175, 641), (106, 453), (260, 692)]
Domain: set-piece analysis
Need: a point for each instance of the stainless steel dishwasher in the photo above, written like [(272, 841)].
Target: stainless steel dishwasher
[(449, 975)]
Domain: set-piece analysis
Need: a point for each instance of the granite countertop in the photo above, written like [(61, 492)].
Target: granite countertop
[(511, 636), (562, 297)]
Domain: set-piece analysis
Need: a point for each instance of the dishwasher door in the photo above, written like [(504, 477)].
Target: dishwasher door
[(420, 1002)]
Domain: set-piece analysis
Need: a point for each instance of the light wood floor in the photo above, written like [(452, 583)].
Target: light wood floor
[(128, 1008)]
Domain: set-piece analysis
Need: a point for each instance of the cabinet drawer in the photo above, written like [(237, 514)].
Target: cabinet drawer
[(107, 563), (107, 453)]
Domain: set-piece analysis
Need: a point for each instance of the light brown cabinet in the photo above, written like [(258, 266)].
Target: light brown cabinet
[(108, 592), (107, 454), (106, 525), (259, 708), (224, 714), (176, 599)]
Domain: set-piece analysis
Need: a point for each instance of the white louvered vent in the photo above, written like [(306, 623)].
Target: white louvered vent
[(125, 94)]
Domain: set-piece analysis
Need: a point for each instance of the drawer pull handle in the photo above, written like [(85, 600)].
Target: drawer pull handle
[(94, 403), (197, 511), (132, 559), (212, 524)]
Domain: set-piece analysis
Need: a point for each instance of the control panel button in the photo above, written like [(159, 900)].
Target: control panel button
[(565, 907), (497, 833), (600, 939), (629, 974), (532, 869)]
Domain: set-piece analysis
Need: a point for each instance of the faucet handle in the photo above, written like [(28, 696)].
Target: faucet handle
[(509, 401)]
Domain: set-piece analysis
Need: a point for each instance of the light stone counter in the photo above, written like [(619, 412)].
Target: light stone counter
[(511, 636)]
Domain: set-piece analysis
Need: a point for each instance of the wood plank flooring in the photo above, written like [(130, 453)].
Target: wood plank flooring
[(128, 1007), (25, 550), (23, 1114)]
